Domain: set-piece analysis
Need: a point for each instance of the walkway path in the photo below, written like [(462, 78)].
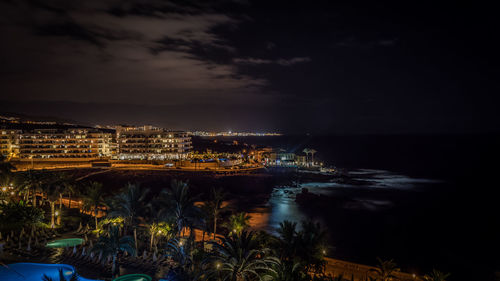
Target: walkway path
[(358, 272)]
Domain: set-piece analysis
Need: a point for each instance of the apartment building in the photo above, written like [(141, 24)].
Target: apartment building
[(152, 143), (146, 142), (64, 143)]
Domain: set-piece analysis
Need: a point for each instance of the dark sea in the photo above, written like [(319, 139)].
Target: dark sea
[(425, 201)]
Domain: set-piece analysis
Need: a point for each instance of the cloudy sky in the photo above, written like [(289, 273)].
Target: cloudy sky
[(290, 66)]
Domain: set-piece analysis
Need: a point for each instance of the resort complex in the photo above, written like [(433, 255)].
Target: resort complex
[(128, 203), (38, 145), (97, 221), (78, 144)]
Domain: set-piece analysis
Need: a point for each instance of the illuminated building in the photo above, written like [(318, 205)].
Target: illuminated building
[(282, 158), (63, 143), (152, 143), (232, 134)]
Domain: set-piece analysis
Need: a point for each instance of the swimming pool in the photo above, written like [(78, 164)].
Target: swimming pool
[(63, 243), (35, 272), (134, 277)]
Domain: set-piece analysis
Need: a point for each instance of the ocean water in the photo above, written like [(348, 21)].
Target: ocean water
[(425, 201), (282, 205)]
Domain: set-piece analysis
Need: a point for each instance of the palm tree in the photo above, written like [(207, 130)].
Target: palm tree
[(436, 275), (238, 222), (73, 277), (16, 215), (214, 207), (312, 151), (239, 258), (181, 205), (385, 270), (53, 192), (287, 240), (62, 180), (51, 186), (181, 254), (307, 151), (287, 272), (130, 205), (93, 198), (111, 244), (70, 189), (161, 229), (45, 187), (311, 246), (31, 181)]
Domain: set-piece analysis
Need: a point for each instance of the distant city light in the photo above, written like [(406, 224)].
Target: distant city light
[(232, 134)]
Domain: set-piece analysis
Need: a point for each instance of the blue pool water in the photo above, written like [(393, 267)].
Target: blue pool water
[(35, 272)]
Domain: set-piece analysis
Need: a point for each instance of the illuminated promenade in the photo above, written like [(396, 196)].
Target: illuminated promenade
[(151, 167)]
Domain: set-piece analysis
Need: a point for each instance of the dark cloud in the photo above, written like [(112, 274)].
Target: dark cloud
[(68, 29), (144, 55), (296, 66)]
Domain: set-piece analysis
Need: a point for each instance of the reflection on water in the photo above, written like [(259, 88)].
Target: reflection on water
[(282, 206)]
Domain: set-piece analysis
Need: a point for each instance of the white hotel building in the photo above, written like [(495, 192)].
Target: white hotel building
[(146, 143), (74, 143), (152, 143)]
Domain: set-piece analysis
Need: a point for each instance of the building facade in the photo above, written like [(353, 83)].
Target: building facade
[(147, 142), (270, 157), (152, 143), (80, 143), (64, 143)]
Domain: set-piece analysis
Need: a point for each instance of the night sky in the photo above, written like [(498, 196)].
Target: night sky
[(293, 67)]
